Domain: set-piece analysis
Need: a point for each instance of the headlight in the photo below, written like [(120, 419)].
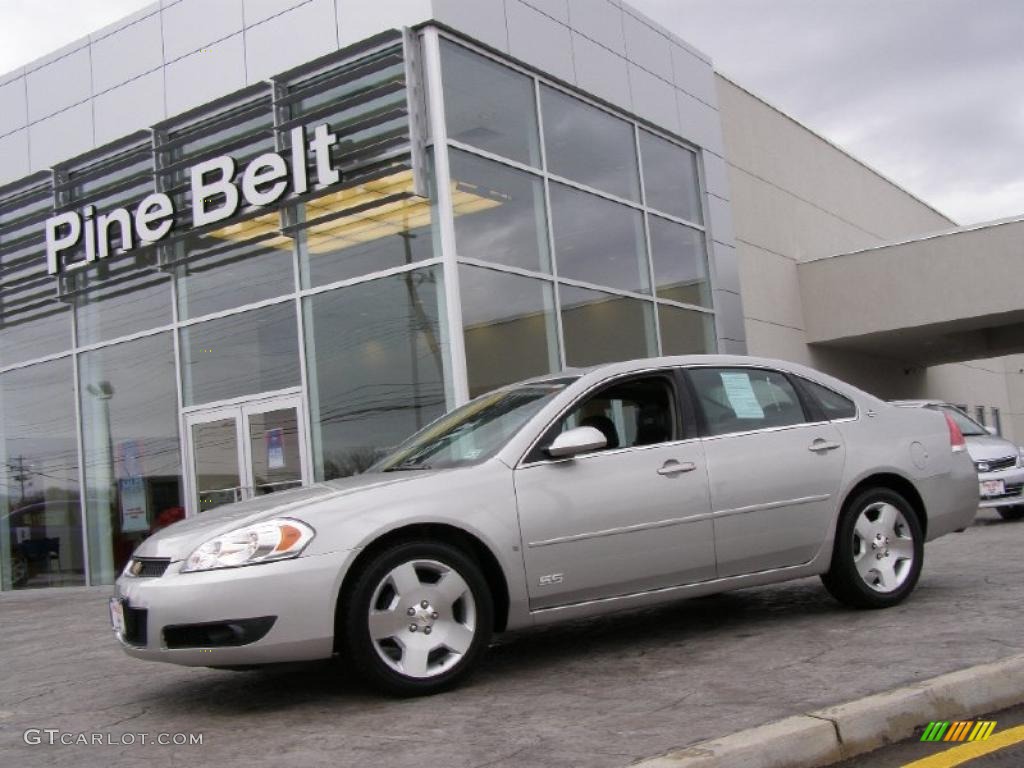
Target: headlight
[(258, 543)]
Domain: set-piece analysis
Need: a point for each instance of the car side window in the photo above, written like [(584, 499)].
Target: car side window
[(832, 404), (742, 399), (630, 413)]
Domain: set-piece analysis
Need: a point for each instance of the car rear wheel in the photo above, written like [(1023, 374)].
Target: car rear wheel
[(1011, 513), (878, 552), (418, 619)]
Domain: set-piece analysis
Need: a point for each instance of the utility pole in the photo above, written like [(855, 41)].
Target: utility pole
[(18, 473)]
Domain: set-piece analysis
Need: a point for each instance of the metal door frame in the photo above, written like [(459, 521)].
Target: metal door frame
[(241, 409)]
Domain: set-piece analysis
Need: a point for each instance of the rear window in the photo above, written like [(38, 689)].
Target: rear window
[(742, 399), (834, 405)]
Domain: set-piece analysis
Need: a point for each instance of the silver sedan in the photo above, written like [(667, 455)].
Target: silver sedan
[(572, 495)]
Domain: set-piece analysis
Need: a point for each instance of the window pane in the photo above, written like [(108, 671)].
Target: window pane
[(599, 241), (499, 213), (588, 145), (680, 262), (111, 309), (36, 330), (628, 414), (832, 403), (385, 236), (132, 458), (737, 400), (601, 327), (685, 331), (510, 327), (40, 517), (233, 269), (256, 351), (382, 378), (670, 178), (489, 106)]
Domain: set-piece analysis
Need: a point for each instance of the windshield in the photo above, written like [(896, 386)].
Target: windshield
[(968, 426), (474, 432)]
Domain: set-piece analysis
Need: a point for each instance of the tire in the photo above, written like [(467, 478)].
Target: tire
[(1011, 513), (401, 646), (878, 551)]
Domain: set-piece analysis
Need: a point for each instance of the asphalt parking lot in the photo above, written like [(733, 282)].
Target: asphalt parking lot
[(602, 692)]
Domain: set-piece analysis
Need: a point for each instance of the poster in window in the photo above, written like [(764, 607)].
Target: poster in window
[(134, 514), (275, 448)]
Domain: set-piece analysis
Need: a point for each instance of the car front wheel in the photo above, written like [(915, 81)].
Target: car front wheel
[(878, 552), (418, 619)]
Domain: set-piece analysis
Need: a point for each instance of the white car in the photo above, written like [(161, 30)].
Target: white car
[(999, 462)]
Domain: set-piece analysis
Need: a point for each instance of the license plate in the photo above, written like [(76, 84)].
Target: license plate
[(992, 488), (117, 615)]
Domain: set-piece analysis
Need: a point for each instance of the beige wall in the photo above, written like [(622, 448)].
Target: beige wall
[(797, 197)]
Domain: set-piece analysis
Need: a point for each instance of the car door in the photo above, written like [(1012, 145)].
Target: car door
[(630, 517), (773, 471)]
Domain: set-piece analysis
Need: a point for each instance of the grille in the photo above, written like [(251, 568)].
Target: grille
[(148, 566), (994, 465), (135, 626)]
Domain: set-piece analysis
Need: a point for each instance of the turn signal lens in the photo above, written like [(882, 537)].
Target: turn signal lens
[(259, 543)]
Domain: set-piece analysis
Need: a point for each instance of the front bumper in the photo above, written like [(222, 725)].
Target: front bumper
[(1013, 483), (299, 594)]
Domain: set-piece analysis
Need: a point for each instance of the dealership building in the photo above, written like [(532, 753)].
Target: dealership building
[(248, 244)]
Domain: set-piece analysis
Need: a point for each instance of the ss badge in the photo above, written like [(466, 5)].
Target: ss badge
[(552, 578)]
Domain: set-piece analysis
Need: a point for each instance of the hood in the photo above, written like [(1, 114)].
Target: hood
[(177, 541), (989, 447)]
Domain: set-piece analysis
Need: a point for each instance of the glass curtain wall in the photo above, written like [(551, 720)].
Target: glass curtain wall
[(587, 243)]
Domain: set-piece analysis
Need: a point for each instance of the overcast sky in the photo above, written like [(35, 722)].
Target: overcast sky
[(929, 92)]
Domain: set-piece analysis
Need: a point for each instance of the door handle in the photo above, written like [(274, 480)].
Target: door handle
[(673, 467), (820, 446)]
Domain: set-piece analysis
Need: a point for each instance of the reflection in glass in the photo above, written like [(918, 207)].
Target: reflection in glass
[(588, 145), (670, 178), (239, 264), (255, 351), (40, 516), (380, 379), (510, 329), (599, 241), (112, 308), (34, 330), (602, 327), (510, 230), (388, 234), (215, 450), (685, 331), (274, 450), (132, 457), (489, 106), (680, 262)]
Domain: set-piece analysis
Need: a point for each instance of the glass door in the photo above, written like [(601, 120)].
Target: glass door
[(248, 449)]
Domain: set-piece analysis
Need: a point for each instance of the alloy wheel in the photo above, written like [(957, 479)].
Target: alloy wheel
[(883, 547), (422, 618)]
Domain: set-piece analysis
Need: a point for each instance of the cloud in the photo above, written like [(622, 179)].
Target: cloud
[(926, 91)]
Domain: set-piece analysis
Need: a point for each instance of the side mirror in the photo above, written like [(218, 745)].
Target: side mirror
[(576, 441), (991, 430)]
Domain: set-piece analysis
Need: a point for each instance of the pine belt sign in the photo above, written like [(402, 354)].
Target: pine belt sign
[(215, 196), (332, 124)]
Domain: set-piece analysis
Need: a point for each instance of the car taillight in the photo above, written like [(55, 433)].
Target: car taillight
[(956, 437)]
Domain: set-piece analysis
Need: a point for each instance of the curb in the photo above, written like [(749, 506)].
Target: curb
[(826, 736)]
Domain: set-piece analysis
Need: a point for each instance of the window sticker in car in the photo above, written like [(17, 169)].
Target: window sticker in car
[(741, 395)]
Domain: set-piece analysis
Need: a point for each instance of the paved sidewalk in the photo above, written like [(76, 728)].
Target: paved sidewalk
[(600, 693)]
